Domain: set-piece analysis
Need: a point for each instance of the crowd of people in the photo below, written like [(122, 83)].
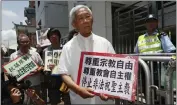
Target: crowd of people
[(81, 38)]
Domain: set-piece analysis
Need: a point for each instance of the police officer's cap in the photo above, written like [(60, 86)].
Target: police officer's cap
[(151, 17)]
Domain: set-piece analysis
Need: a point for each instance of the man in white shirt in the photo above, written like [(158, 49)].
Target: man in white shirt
[(82, 21), (24, 48)]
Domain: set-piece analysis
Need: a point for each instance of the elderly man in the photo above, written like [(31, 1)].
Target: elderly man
[(85, 40), (24, 48)]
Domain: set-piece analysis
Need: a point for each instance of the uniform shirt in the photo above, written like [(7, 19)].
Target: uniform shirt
[(166, 43), (35, 79), (70, 58)]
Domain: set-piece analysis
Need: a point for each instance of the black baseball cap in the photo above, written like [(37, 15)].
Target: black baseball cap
[(151, 17)]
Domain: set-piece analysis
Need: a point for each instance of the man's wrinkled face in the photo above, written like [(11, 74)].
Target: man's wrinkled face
[(151, 24), (83, 21), (24, 42)]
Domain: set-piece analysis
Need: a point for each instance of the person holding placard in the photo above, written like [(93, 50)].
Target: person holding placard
[(24, 48), (54, 93), (85, 40)]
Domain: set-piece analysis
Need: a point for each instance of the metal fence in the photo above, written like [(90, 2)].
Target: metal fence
[(156, 80)]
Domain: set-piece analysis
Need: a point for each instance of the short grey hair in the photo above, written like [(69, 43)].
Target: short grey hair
[(73, 11)]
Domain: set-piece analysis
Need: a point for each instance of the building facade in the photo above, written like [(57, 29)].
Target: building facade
[(121, 22), (129, 22), (52, 14)]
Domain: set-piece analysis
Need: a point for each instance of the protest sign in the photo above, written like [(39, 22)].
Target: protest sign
[(110, 74), (41, 38), (52, 58), (56, 57), (20, 67), (48, 60)]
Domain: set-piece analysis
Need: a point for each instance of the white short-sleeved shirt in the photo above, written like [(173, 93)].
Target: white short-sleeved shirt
[(70, 58), (35, 79)]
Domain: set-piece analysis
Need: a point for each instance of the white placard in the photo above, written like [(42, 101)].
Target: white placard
[(109, 74), (48, 60), (20, 67), (56, 57), (52, 58)]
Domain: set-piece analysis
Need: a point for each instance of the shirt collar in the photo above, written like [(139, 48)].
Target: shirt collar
[(20, 53), (86, 38), (51, 48), (154, 33)]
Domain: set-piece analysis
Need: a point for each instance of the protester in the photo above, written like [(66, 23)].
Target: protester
[(24, 48), (85, 40), (54, 81)]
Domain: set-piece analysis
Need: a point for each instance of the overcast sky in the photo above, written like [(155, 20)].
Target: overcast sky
[(12, 11)]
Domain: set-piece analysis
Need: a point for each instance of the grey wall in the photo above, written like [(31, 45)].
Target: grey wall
[(169, 16), (53, 14)]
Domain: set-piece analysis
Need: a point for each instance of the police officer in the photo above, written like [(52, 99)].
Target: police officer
[(153, 41)]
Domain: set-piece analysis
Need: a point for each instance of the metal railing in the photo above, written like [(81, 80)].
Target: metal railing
[(155, 92)]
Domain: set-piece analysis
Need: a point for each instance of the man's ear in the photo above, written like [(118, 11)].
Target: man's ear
[(92, 20), (74, 25)]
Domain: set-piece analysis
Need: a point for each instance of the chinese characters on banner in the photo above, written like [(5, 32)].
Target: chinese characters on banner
[(111, 74), (21, 67), (52, 58), (48, 60), (56, 57)]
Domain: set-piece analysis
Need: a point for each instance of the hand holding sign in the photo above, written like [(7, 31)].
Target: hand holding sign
[(51, 66), (51, 59), (106, 97), (103, 97), (36, 71), (109, 75), (21, 67), (85, 92)]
